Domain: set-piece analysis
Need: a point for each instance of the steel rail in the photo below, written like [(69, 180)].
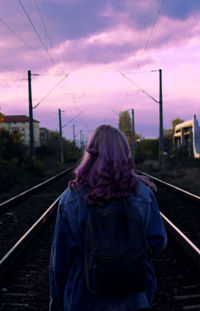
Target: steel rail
[(173, 188), (191, 249), (31, 190), (6, 263)]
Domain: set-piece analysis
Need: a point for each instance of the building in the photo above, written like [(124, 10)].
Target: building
[(43, 135), (20, 123), (187, 137)]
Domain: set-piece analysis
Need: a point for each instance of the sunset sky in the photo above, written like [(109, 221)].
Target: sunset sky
[(94, 41)]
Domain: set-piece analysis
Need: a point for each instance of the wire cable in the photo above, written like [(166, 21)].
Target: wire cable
[(143, 71), (43, 23), (21, 39), (72, 119), (154, 23), (51, 91), (73, 98), (143, 91), (48, 75), (145, 23), (36, 32), (153, 26), (45, 29)]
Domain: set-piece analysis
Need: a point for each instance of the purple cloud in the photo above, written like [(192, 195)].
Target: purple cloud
[(73, 23)]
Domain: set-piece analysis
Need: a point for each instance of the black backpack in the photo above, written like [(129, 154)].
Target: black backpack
[(115, 249)]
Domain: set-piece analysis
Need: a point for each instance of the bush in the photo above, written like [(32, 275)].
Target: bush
[(17, 171), (147, 149), (17, 166), (150, 166), (11, 145), (10, 173), (32, 167), (43, 151)]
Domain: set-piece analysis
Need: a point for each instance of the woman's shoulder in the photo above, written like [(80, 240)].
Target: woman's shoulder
[(71, 199), (144, 193), (70, 195)]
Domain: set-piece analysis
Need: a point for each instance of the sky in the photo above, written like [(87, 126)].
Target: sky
[(93, 59)]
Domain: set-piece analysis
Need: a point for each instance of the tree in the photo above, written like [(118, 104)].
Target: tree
[(168, 140), (125, 126), (12, 152), (147, 149), (11, 145), (52, 148), (53, 143), (1, 117), (176, 122)]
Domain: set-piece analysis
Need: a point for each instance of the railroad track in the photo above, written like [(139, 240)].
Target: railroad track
[(180, 206), (19, 213), (27, 286), (27, 193)]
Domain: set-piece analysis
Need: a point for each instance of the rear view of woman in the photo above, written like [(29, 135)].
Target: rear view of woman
[(104, 179)]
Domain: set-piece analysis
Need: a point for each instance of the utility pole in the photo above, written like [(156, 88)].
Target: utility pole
[(160, 102), (30, 115), (74, 137), (161, 140), (133, 129), (81, 140), (61, 141)]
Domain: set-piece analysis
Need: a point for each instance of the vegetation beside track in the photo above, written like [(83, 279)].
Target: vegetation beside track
[(181, 171), (180, 168), (18, 171)]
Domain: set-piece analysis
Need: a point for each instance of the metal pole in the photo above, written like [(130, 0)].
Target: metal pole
[(81, 140), (31, 132), (61, 141), (161, 140), (133, 129), (74, 139)]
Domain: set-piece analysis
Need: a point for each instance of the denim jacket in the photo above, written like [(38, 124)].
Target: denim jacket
[(68, 290)]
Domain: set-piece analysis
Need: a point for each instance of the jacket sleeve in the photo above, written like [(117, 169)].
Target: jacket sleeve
[(62, 254), (156, 233)]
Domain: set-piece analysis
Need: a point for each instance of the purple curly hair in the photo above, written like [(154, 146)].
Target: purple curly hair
[(107, 168)]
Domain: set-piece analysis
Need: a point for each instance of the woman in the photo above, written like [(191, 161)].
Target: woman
[(106, 173)]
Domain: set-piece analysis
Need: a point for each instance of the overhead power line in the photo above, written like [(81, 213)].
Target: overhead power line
[(146, 44), (145, 23), (154, 24), (46, 30), (72, 119), (136, 72), (51, 91), (48, 75), (143, 91), (21, 39), (36, 31), (43, 23)]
